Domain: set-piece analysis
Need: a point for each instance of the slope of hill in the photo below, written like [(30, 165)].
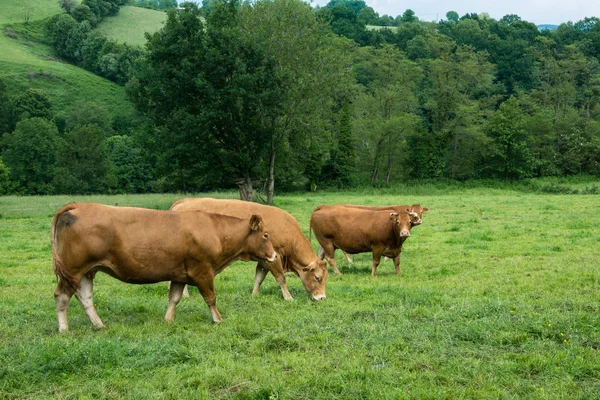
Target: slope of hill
[(26, 62), (131, 23), (15, 11)]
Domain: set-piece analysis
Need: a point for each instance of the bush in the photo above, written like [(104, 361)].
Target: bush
[(30, 154)]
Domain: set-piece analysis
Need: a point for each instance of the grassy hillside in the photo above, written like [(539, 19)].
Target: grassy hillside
[(499, 298), (14, 11), (131, 23), (27, 62)]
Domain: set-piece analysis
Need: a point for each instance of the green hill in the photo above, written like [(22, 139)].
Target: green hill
[(14, 11), (25, 61), (131, 23)]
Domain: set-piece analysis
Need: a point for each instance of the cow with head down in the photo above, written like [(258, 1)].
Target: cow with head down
[(416, 212), (355, 230), (137, 245), (296, 253)]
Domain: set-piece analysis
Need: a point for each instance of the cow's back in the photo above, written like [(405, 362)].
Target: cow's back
[(283, 228)]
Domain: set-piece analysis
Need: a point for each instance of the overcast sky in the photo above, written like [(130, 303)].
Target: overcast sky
[(536, 11)]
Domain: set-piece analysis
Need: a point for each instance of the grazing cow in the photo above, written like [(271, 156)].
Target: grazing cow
[(355, 230), (415, 219), (296, 253), (137, 245)]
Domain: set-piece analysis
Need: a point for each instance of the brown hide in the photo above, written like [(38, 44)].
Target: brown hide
[(416, 208), (137, 245), (356, 230), (296, 253)]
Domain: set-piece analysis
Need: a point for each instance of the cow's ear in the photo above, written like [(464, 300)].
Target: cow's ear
[(323, 264), (425, 209), (393, 217), (309, 267), (256, 222)]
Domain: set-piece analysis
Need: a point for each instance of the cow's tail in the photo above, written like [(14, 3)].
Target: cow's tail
[(57, 264)]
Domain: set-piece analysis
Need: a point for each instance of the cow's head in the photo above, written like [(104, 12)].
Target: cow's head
[(402, 222), (314, 277), (259, 246), (417, 214)]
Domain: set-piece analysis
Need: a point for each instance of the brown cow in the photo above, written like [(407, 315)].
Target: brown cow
[(137, 245), (296, 253), (355, 230), (416, 219)]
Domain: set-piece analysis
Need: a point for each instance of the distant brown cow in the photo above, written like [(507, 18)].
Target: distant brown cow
[(355, 230), (296, 253), (416, 219), (137, 245)]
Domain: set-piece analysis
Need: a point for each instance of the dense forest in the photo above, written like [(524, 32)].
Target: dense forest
[(274, 94)]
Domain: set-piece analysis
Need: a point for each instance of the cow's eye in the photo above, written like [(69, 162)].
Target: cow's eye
[(317, 278)]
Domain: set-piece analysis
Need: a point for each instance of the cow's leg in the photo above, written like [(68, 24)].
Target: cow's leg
[(205, 283), (85, 296), (175, 292), (348, 257), (62, 296), (329, 252), (376, 261), (186, 293), (261, 274), (397, 263), (276, 268)]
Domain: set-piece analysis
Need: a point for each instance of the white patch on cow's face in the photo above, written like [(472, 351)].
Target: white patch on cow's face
[(273, 257)]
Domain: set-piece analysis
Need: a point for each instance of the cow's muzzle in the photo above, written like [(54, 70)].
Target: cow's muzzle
[(273, 257), (318, 297), (404, 233)]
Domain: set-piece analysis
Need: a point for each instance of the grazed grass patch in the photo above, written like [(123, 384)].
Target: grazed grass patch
[(499, 297)]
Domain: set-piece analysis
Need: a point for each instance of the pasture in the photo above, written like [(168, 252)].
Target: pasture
[(499, 298), (131, 23)]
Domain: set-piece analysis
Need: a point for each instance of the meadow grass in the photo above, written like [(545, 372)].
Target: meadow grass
[(499, 298), (131, 23)]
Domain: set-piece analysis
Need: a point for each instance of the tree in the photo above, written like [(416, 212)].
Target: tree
[(409, 16), (213, 123), (66, 5), (89, 113), (309, 66), (338, 172), (81, 161), (387, 109), (511, 158), (355, 5), (33, 103), (5, 184), (29, 153), (6, 111), (452, 16), (129, 172)]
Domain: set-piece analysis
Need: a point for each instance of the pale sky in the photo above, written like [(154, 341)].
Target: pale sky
[(536, 11)]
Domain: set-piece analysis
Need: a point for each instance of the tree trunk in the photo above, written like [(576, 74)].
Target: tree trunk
[(389, 161), (271, 183), (245, 187)]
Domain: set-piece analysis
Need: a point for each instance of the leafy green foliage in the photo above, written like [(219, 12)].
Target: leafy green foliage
[(81, 161), (29, 153), (218, 115)]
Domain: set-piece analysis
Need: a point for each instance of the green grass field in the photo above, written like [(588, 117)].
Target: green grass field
[(499, 298), (131, 23), (25, 61)]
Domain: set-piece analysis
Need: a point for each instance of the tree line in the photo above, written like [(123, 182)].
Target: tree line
[(243, 94)]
